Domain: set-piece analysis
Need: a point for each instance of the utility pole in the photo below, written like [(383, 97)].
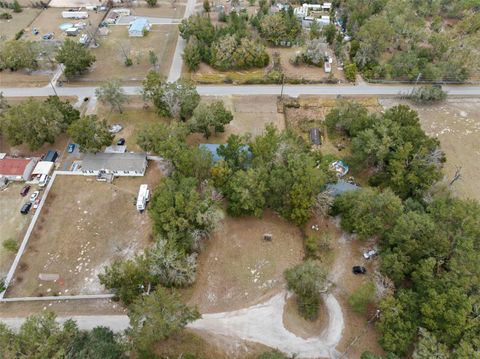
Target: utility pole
[(283, 84), (53, 87), (418, 78)]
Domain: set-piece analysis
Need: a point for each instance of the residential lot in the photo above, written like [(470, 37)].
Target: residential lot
[(19, 21), (250, 115), (117, 44), (238, 268), (13, 224), (133, 118), (168, 9), (84, 225), (456, 123), (49, 21)]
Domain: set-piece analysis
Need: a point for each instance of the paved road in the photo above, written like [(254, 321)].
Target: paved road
[(225, 90), (177, 62)]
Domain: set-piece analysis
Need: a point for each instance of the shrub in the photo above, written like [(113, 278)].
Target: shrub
[(362, 297), (307, 280), (128, 61), (350, 71), (428, 94), (19, 34), (5, 16), (10, 245)]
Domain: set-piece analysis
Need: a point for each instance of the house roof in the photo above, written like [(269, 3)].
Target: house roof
[(43, 168), (13, 166), (116, 149), (138, 24), (115, 162)]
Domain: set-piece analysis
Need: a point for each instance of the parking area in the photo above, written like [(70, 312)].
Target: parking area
[(83, 226), (12, 223)]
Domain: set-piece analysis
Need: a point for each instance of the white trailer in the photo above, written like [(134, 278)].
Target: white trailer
[(143, 197), (73, 31), (74, 14)]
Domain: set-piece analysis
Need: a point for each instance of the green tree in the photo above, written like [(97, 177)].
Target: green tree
[(274, 28), (175, 99), (152, 3), (398, 322), (368, 212), (349, 117), (272, 355), (362, 298), (16, 6), (155, 317), (350, 71), (99, 343), (307, 280), (90, 133), (330, 31), (246, 193), (206, 6), (180, 212), (32, 122), (250, 53), (428, 94), (70, 114), (192, 55), (210, 116), (127, 279), (16, 55), (429, 347), (76, 58), (153, 58), (162, 139), (111, 92), (193, 162), (314, 30)]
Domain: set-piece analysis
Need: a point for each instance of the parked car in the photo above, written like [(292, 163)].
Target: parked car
[(24, 191), (48, 36), (26, 208), (359, 270), (35, 31), (70, 148), (121, 142), (115, 128), (34, 196), (36, 203), (370, 254), (43, 180)]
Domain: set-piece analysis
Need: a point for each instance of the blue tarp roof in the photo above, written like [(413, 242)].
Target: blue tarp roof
[(212, 148), (341, 187), (138, 24)]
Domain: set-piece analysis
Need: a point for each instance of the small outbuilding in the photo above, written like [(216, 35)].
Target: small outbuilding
[(138, 27), (315, 136), (336, 189)]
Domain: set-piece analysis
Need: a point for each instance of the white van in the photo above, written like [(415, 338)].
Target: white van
[(43, 180)]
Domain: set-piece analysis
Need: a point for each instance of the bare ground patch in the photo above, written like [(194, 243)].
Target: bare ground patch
[(84, 225), (238, 268)]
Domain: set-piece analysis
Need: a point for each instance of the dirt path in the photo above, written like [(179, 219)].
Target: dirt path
[(263, 323)]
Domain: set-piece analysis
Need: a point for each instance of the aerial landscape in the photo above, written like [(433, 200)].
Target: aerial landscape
[(258, 179)]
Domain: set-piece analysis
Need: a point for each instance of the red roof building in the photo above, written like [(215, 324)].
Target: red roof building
[(17, 169)]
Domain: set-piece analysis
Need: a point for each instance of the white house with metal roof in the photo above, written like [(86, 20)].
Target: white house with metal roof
[(114, 164)]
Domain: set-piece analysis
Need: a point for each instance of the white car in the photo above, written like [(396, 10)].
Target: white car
[(36, 203), (34, 196), (370, 254)]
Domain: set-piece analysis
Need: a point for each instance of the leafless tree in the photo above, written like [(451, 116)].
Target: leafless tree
[(457, 176)]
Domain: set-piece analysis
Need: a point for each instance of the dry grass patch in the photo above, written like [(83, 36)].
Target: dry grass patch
[(110, 61), (163, 9), (19, 21), (238, 268), (84, 225)]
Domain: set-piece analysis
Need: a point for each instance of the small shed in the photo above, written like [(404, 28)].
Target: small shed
[(315, 136), (138, 26)]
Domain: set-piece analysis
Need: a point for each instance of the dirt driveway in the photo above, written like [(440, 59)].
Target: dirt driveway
[(84, 225)]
